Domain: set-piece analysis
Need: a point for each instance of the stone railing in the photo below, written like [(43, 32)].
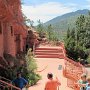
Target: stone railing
[(72, 70)]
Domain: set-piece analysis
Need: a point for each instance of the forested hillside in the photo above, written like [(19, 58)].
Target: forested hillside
[(61, 24), (77, 40)]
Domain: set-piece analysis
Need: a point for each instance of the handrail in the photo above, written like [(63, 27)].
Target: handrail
[(73, 62), (5, 79), (2, 67), (9, 85)]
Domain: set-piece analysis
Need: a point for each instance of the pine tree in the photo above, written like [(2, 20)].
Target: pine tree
[(87, 35), (50, 32), (77, 38), (80, 29), (40, 29), (68, 33)]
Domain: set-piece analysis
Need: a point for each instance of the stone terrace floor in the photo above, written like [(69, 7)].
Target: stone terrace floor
[(52, 66)]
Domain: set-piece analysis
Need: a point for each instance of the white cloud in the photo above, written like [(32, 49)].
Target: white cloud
[(46, 11), (88, 1), (88, 5)]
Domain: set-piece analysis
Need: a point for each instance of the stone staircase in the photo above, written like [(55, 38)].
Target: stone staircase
[(71, 71), (49, 52)]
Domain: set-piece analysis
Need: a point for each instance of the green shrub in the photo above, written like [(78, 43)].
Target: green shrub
[(31, 76), (88, 59)]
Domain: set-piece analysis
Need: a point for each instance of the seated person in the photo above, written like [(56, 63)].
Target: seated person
[(82, 82), (88, 84)]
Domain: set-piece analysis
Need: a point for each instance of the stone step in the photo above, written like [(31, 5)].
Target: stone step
[(41, 53), (50, 56), (45, 56), (49, 53), (48, 49)]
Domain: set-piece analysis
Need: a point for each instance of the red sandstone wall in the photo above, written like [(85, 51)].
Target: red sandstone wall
[(9, 44), (7, 41)]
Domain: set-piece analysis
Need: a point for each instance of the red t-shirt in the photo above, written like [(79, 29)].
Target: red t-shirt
[(52, 85)]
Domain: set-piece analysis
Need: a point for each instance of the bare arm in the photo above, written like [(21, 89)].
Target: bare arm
[(80, 85), (46, 86), (58, 82)]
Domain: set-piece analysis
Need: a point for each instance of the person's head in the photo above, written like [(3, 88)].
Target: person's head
[(50, 76), (83, 77), (19, 75), (88, 80)]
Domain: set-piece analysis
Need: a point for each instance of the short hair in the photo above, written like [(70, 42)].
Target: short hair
[(19, 73), (50, 75), (83, 75), (88, 79)]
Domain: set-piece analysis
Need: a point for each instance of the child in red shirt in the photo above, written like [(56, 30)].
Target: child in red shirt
[(52, 84)]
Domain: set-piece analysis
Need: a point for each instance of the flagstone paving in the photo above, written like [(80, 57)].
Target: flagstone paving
[(50, 65)]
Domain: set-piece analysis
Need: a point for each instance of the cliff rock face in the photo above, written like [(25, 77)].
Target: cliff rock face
[(13, 33), (15, 39), (32, 39)]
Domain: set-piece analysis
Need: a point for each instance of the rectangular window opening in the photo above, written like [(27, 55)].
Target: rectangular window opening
[(11, 27), (0, 28)]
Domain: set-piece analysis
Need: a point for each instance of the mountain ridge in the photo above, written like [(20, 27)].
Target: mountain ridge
[(61, 23), (84, 11)]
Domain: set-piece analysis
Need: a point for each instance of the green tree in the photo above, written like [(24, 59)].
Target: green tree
[(30, 22), (70, 43), (68, 33), (50, 32), (80, 30), (41, 29), (27, 21), (77, 41), (87, 34)]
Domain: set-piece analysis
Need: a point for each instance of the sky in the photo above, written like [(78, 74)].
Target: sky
[(46, 10)]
